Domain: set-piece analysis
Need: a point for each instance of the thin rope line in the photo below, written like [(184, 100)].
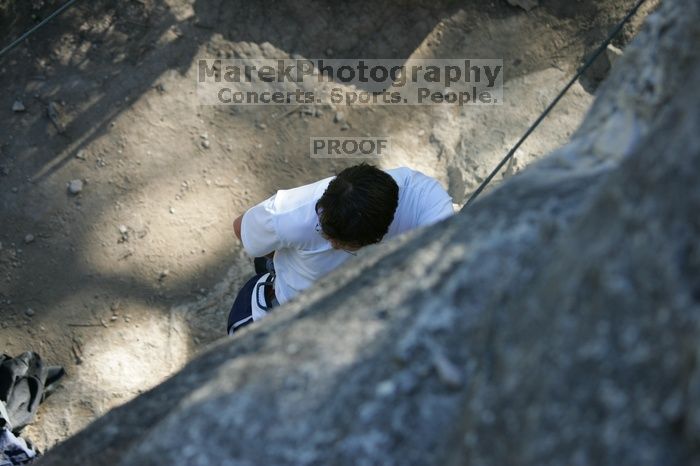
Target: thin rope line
[(542, 116), (21, 38)]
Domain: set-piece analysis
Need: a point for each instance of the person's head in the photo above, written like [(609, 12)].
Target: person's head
[(357, 207)]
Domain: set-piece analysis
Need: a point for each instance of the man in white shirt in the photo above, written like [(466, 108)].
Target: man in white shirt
[(311, 230)]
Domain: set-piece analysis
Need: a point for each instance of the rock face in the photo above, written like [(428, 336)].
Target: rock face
[(526, 5), (555, 321)]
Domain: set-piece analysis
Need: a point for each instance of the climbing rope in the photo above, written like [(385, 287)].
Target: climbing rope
[(31, 31), (542, 116)]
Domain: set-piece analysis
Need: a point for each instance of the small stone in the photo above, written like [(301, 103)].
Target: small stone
[(123, 229), (81, 155), (421, 132), (75, 187), (113, 318), (205, 144), (29, 312), (163, 274), (339, 117), (262, 125), (172, 210), (18, 106), (29, 238)]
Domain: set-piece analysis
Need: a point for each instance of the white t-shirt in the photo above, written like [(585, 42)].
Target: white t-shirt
[(287, 223)]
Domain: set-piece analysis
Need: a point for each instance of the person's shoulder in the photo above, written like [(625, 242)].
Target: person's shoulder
[(295, 212), (301, 197), (410, 178), (401, 172), (422, 198)]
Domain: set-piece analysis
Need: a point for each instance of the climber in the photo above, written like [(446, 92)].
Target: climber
[(307, 232)]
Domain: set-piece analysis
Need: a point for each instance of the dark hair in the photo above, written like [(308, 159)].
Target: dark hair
[(358, 205)]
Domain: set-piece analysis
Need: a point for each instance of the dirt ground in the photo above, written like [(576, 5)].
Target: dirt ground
[(125, 281)]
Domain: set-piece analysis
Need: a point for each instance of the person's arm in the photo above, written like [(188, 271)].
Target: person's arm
[(257, 231), (237, 231), (237, 226)]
